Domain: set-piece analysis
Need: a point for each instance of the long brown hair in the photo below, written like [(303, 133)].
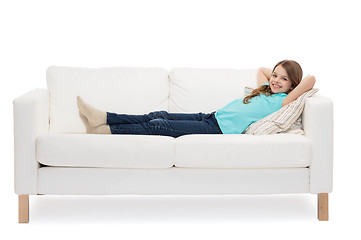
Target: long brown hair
[(294, 72)]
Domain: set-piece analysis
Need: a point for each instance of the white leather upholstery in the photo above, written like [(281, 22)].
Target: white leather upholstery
[(53, 180), (123, 90), (108, 151), (243, 151), (318, 126), (31, 118), (207, 90)]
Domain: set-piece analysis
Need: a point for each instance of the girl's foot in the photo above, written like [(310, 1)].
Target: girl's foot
[(85, 121), (102, 129), (95, 117)]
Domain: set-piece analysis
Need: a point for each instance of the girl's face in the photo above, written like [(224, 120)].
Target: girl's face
[(279, 82)]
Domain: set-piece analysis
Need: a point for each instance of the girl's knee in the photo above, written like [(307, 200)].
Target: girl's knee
[(158, 114)]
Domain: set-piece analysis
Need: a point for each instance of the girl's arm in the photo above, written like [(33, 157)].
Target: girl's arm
[(263, 76), (306, 84)]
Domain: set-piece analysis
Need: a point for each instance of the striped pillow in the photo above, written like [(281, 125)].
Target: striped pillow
[(296, 127), (281, 120)]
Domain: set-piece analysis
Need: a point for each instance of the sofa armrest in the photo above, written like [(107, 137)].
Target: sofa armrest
[(31, 118), (317, 121)]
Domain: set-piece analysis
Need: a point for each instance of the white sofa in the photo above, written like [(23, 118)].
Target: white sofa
[(54, 156)]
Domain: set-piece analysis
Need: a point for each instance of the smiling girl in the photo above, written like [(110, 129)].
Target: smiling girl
[(276, 88)]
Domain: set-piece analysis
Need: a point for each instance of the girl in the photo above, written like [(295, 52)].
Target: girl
[(276, 88)]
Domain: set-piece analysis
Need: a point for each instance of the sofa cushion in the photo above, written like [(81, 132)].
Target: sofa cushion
[(243, 151), (207, 90), (116, 89), (108, 151)]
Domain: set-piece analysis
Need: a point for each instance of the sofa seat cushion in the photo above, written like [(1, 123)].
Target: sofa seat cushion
[(107, 151), (243, 151)]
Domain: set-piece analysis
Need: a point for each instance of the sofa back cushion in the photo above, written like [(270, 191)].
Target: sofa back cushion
[(116, 89), (207, 90)]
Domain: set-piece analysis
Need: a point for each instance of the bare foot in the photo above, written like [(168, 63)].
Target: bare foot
[(95, 117)]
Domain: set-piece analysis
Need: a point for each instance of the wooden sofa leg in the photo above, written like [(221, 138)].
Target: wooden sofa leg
[(323, 206), (23, 208)]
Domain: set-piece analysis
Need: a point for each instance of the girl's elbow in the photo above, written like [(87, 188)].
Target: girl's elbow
[(313, 80), (260, 70), (310, 81)]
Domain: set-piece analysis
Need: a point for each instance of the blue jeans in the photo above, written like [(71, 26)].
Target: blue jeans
[(163, 123)]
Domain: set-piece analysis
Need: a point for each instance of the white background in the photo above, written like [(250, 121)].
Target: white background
[(323, 36)]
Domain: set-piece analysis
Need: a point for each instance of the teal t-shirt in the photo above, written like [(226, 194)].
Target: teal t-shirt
[(235, 117)]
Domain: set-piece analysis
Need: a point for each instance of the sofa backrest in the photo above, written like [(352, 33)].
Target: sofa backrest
[(116, 89), (140, 91), (207, 90)]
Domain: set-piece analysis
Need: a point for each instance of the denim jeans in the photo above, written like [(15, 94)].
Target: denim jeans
[(163, 123)]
